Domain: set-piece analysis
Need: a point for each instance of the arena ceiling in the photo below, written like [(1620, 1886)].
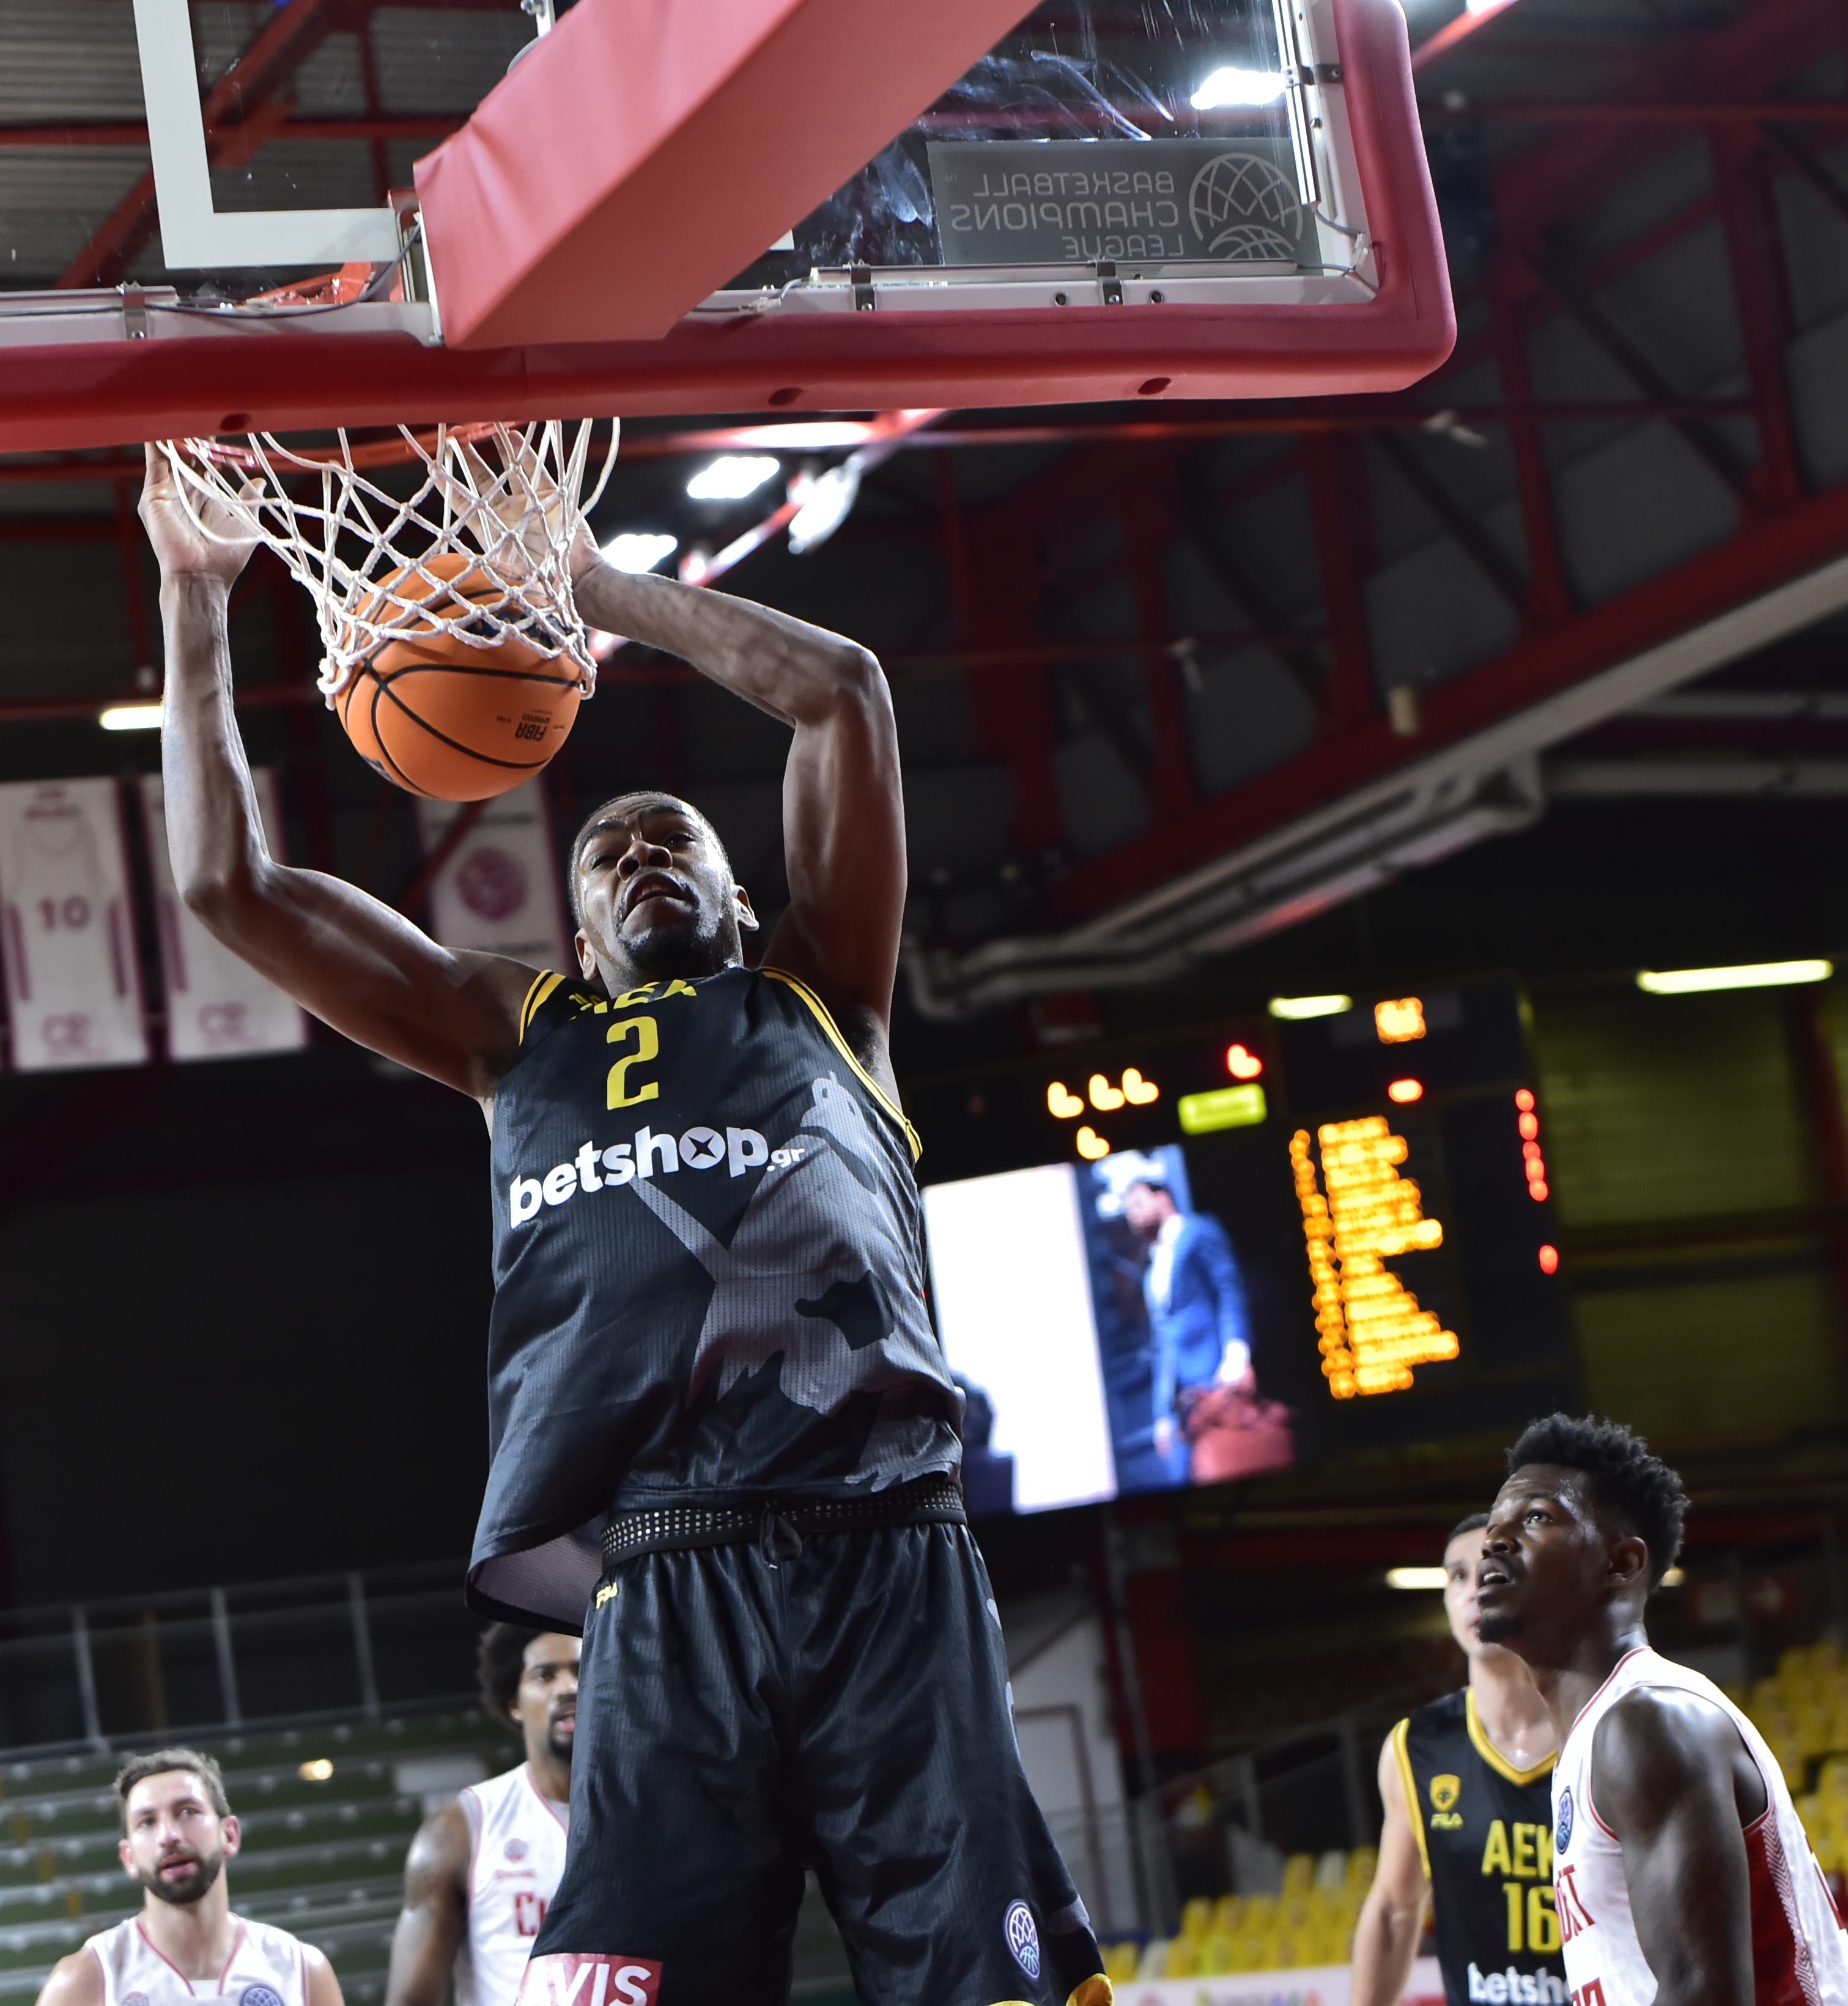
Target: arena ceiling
[(1171, 679)]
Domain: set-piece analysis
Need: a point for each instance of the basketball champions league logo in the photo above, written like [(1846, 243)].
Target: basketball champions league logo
[(1003, 201), (1244, 210)]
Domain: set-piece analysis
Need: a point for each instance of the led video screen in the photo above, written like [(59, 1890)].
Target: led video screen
[(1227, 1250)]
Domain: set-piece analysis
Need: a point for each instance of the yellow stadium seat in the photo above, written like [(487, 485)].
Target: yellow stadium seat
[(1299, 1872), (1216, 1956), (1183, 1959), (1228, 1916), (1120, 1963), (1196, 1920), (1363, 1863), (1247, 1951)]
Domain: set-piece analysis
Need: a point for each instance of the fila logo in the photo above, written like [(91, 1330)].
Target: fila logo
[(564, 1978), (645, 1155)]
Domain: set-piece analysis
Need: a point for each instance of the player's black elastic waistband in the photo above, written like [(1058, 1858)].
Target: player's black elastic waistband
[(776, 1524)]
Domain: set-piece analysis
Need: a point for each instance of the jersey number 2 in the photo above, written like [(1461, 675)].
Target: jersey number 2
[(648, 1046)]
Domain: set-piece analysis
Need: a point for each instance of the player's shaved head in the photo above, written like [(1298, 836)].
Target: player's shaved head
[(652, 892), (621, 810)]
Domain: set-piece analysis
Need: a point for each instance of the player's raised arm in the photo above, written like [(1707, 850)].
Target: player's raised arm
[(1671, 1776), (843, 821), (354, 962)]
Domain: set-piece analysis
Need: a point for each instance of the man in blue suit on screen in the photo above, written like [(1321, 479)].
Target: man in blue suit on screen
[(1201, 1327)]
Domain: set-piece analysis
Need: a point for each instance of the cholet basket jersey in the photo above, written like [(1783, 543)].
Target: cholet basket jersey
[(1799, 1955), (1484, 1832), (709, 1274), (516, 1857), (266, 1967)]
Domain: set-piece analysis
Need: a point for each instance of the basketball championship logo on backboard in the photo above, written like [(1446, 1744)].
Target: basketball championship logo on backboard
[(1244, 210)]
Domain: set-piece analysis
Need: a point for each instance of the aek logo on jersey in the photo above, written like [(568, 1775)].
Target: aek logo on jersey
[(645, 1155), (564, 1978), (1445, 1791)]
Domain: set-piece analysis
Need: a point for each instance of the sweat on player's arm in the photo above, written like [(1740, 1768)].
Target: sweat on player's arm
[(1672, 1778)]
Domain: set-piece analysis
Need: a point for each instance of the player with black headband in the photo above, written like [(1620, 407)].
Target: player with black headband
[(1683, 1876), (724, 1435), (1467, 1785)]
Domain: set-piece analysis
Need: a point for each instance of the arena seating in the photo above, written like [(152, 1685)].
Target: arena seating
[(327, 1813), (1311, 1922)]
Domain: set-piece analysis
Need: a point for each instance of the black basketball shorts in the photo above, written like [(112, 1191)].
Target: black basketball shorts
[(840, 1704)]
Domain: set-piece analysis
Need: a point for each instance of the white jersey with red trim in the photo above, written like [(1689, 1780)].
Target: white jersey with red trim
[(1800, 1957), (516, 1857), (267, 1967)]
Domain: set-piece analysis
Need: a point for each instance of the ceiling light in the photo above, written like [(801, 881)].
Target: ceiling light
[(1749, 975), (731, 476), (1293, 1008), (131, 717), (1226, 87), (640, 550), (826, 502), (1674, 1578), (318, 1771), (1430, 1577), (1402, 1090)]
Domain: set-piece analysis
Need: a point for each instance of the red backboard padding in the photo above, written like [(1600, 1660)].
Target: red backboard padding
[(278, 378), (646, 150)]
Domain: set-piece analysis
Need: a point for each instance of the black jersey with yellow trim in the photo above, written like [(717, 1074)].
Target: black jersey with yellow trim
[(1484, 1829), (709, 1274)]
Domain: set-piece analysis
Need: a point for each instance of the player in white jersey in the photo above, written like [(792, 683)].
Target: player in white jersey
[(1681, 1872), (482, 1871), (177, 1832)]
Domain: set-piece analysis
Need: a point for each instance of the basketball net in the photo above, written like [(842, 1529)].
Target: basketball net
[(509, 498)]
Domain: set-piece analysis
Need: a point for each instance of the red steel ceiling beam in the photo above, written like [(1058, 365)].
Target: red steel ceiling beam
[(381, 128), (1767, 553), (241, 100)]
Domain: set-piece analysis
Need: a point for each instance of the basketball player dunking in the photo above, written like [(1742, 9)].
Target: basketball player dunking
[(723, 1436), (482, 1871), (177, 1832)]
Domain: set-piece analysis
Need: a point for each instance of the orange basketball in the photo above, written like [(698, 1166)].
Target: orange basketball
[(442, 718)]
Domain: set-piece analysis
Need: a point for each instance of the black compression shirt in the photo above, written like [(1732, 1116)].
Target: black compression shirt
[(1485, 1830), (709, 1274)]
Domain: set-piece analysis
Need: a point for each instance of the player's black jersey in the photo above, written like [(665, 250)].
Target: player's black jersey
[(1485, 1829), (709, 1274)]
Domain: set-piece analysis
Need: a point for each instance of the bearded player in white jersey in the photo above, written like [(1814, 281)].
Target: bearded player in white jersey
[(178, 1832), (482, 1871), (1682, 1874)]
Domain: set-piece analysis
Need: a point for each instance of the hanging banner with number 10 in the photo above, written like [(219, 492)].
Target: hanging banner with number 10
[(73, 988)]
